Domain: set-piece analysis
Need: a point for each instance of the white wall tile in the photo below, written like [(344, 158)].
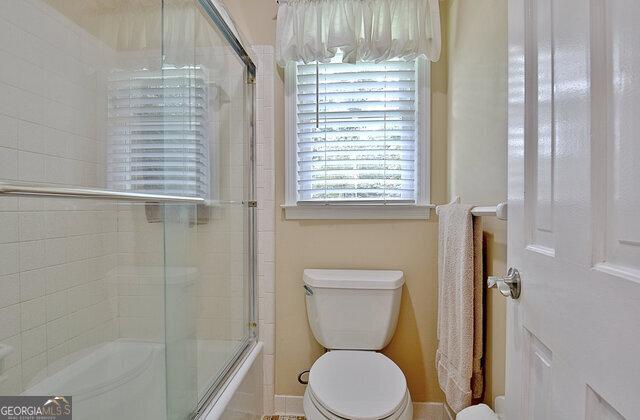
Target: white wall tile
[(31, 167), (9, 321), (267, 398), (8, 97), (15, 357), (32, 284), (32, 255), (267, 335), (33, 370), (293, 405), (279, 404), (8, 258), (57, 305), (32, 226), (31, 137), (8, 227), (57, 332), (268, 368), (8, 161), (33, 342), (10, 287), (8, 132), (33, 313)]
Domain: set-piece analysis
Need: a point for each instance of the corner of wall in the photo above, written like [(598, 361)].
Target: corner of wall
[(265, 193)]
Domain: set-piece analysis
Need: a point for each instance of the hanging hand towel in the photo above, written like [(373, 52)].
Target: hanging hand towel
[(460, 287)]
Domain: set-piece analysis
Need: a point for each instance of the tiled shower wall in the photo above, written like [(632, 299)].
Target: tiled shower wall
[(56, 256), (76, 273), (265, 179)]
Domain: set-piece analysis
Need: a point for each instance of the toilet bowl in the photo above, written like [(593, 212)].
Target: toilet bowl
[(353, 313), (361, 385)]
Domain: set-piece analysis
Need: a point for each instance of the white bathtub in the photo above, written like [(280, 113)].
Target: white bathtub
[(126, 380), (241, 397), (212, 356), (120, 379)]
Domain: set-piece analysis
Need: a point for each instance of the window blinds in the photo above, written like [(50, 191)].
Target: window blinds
[(356, 132), (157, 131)]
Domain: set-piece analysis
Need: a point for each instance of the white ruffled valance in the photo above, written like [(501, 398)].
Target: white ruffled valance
[(365, 30)]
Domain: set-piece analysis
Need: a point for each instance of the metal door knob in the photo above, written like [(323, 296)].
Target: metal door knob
[(509, 285)]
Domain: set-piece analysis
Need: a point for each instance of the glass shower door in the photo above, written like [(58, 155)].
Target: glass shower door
[(208, 248), (81, 251), (126, 230)]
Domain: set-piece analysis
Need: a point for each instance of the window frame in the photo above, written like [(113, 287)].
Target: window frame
[(295, 210)]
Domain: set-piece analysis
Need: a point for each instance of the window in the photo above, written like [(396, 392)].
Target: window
[(158, 142), (357, 134)]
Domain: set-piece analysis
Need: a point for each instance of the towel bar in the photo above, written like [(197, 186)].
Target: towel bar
[(499, 210)]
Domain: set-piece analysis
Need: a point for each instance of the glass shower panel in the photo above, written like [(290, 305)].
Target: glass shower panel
[(136, 307), (83, 305), (209, 324), (82, 282)]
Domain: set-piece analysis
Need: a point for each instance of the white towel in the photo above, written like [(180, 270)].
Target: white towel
[(460, 287)]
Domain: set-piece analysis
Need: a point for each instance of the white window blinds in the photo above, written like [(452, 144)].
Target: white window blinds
[(356, 132), (157, 132)]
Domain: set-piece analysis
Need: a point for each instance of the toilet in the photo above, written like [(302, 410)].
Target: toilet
[(354, 313)]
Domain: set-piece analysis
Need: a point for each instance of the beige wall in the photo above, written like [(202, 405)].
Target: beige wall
[(477, 168), (477, 152), (409, 246)]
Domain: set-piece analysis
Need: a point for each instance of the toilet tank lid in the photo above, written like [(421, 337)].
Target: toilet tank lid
[(354, 279)]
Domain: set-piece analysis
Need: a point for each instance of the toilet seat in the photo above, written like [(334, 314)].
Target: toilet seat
[(362, 385)]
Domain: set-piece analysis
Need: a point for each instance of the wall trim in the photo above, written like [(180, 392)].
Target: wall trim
[(357, 211), (291, 405)]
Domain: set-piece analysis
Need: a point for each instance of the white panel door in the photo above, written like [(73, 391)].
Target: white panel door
[(573, 345)]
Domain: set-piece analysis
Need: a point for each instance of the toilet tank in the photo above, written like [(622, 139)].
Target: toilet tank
[(353, 309)]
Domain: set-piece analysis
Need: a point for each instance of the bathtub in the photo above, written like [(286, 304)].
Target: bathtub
[(241, 396), (126, 380), (119, 379)]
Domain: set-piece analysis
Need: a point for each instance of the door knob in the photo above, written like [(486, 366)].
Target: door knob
[(509, 285)]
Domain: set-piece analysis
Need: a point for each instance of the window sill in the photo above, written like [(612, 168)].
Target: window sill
[(357, 212)]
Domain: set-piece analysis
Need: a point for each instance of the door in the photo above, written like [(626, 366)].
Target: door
[(573, 336)]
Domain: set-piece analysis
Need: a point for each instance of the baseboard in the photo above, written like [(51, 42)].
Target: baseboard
[(291, 405), (288, 405)]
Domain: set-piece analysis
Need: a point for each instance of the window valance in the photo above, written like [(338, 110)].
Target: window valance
[(364, 30)]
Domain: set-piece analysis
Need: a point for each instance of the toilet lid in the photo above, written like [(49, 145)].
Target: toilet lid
[(358, 384)]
